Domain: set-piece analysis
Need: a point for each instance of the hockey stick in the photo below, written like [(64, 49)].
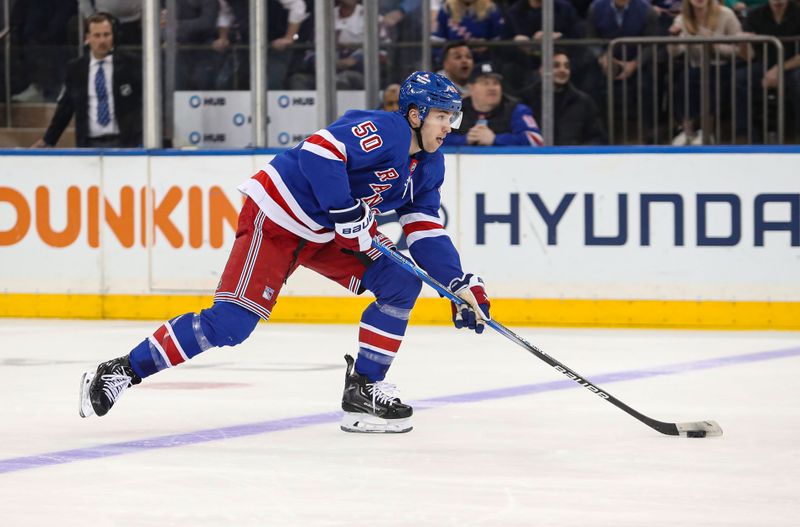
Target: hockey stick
[(689, 429)]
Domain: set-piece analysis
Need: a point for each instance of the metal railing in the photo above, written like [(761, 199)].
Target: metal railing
[(5, 38), (622, 119), (709, 58)]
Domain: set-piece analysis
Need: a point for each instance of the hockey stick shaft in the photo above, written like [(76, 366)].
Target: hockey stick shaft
[(704, 427)]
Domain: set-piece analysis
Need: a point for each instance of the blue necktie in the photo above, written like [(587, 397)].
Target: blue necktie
[(103, 114)]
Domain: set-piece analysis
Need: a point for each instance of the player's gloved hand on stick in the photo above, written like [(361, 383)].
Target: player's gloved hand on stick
[(355, 227), (475, 311)]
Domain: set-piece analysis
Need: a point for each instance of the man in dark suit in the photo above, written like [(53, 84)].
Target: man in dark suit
[(104, 91)]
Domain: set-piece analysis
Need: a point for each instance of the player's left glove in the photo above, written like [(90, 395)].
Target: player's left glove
[(475, 311), (355, 227)]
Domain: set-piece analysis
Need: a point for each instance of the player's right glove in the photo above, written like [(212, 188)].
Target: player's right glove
[(475, 310), (355, 227)]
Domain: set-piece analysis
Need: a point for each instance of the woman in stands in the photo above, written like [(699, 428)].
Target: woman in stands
[(703, 18)]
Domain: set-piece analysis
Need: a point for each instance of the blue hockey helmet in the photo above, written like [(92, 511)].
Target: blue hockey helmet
[(426, 90)]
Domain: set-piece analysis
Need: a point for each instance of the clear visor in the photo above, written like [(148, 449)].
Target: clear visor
[(444, 117), (455, 120)]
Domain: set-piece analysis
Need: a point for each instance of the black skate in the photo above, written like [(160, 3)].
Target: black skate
[(372, 406), (100, 389)]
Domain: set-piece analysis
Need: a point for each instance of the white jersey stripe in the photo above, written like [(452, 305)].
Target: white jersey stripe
[(332, 140), (254, 190), (252, 306), (405, 219), (157, 346), (277, 180), (376, 348), (419, 235), (175, 340), (243, 302), (320, 151), (256, 246), (380, 331), (252, 252)]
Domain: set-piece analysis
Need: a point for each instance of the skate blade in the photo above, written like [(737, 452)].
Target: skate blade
[(369, 424), (84, 403)]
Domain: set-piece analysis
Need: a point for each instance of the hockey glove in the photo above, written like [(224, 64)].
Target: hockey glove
[(355, 227), (475, 311)]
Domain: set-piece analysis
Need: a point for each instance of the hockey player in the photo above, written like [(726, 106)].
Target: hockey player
[(315, 205)]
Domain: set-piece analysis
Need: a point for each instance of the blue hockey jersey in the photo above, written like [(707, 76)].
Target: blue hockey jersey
[(363, 155)]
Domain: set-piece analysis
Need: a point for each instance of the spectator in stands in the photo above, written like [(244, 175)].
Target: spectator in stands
[(103, 89), (436, 5), (524, 25), (402, 20), (457, 64), (609, 19), (288, 22), (582, 7), (196, 30), (702, 18), (225, 23), (226, 62), (492, 118), (38, 42), (740, 7), (349, 25), (395, 12), (391, 98), (667, 10), (576, 118), (128, 15), (779, 18), (469, 20), (524, 21)]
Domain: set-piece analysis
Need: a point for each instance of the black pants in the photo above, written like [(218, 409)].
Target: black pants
[(693, 93), (791, 85)]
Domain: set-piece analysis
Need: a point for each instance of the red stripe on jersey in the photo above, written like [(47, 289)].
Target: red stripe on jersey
[(273, 192), (327, 145), (163, 337), (366, 336), (416, 226)]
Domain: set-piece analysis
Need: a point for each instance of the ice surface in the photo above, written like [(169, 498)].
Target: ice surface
[(249, 436)]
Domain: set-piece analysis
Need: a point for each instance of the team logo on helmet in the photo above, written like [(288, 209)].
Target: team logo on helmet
[(424, 78)]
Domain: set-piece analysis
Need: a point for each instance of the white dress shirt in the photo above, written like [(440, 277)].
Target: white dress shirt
[(95, 130)]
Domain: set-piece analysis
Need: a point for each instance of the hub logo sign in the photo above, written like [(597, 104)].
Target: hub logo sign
[(223, 118), (215, 119)]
